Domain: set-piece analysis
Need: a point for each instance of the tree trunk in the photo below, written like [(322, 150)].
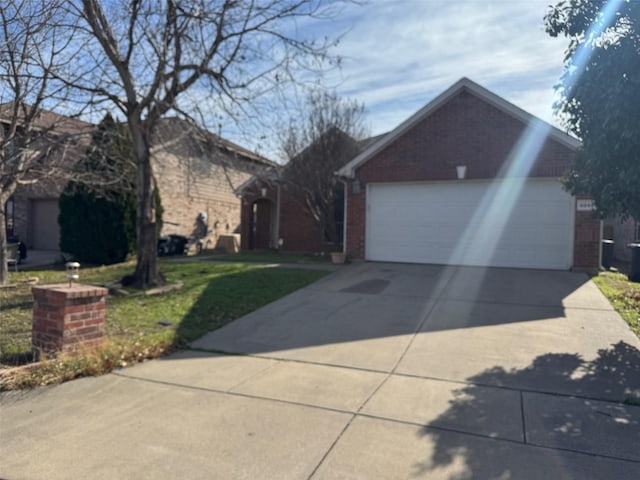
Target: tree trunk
[(4, 270), (146, 273), (330, 224)]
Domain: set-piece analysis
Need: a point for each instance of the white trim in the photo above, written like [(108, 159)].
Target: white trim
[(463, 84)]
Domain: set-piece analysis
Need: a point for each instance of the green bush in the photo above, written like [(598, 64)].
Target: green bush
[(97, 230), (98, 211), (98, 222)]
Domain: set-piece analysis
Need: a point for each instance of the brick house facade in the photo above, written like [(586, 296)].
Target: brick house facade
[(35, 214), (196, 171), (273, 218), (467, 125), (32, 211), (273, 210)]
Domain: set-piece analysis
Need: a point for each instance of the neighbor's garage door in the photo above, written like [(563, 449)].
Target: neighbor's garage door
[(45, 232), (507, 224)]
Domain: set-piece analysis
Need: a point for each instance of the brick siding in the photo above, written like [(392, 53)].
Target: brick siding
[(68, 319), (587, 242), (191, 179), (297, 229), (469, 131)]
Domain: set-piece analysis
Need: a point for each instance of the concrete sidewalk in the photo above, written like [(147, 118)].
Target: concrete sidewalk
[(377, 371), (41, 258)]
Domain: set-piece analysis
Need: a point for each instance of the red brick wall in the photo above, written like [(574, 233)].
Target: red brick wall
[(465, 130), (249, 197), (297, 229), (587, 243), (468, 131), (356, 205), (67, 319)]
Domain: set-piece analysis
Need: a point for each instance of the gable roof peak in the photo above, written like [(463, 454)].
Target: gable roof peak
[(475, 89)]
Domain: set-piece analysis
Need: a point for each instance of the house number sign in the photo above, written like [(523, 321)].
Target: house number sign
[(585, 205)]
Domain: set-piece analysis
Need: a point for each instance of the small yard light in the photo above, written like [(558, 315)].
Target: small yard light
[(263, 191), (461, 171), (73, 272)]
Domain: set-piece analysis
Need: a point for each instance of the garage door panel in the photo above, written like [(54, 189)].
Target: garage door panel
[(453, 223), (45, 231)]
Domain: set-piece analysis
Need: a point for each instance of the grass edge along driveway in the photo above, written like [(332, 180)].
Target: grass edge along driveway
[(624, 295), (139, 327)]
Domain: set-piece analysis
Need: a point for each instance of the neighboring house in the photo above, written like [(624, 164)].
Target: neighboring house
[(470, 179), (622, 233), (196, 172), (32, 211), (274, 215)]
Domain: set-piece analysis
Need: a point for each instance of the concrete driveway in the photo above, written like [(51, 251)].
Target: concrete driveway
[(377, 371)]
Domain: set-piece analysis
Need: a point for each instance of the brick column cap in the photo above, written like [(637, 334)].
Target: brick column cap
[(77, 290)]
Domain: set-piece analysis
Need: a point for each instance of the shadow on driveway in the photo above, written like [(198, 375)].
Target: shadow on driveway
[(379, 301), (571, 424)]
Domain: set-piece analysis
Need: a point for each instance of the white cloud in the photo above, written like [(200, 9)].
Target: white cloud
[(399, 54)]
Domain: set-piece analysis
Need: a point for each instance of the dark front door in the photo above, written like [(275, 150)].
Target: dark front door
[(261, 225)]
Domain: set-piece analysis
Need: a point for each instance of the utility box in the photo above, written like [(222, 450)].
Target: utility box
[(607, 254)]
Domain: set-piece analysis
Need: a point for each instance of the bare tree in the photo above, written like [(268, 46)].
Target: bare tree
[(36, 144), (143, 55), (323, 139)]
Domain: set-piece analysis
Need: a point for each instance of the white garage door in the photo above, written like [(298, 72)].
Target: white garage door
[(511, 223)]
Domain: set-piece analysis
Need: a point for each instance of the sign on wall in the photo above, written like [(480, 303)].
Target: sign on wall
[(585, 205)]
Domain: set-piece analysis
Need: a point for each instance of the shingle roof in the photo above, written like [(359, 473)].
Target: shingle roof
[(275, 174), (173, 129), (48, 120)]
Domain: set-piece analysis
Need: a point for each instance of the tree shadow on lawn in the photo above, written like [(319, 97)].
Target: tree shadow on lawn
[(566, 423), (230, 296)]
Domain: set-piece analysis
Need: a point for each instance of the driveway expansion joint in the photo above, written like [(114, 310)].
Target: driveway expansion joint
[(354, 415), (521, 390), (522, 418)]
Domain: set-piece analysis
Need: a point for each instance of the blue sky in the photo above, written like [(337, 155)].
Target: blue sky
[(399, 54)]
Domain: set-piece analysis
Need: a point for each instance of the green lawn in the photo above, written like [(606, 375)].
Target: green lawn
[(270, 257), (212, 296), (623, 295)]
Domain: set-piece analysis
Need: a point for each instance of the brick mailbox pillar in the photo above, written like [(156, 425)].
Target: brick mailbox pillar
[(67, 318)]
